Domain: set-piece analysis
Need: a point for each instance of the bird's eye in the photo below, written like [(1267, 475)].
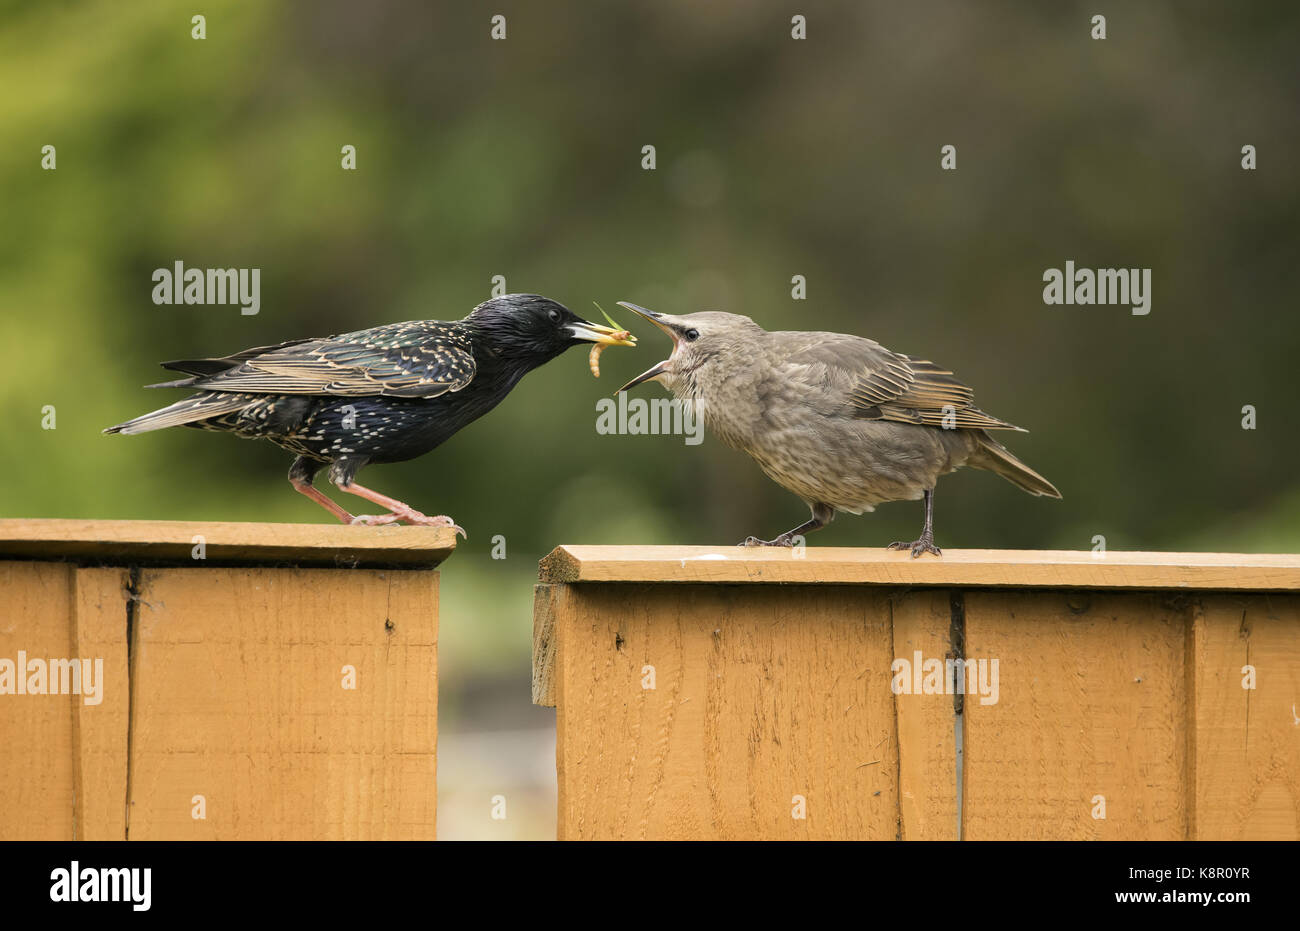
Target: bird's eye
[(692, 335), (554, 315)]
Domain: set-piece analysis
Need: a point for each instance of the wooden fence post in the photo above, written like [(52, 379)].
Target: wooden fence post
[(765, 693), (250, 681)]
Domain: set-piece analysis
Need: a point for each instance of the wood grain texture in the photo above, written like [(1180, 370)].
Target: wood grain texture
[(546, 602), (239, 698), (36, 731), (1133, 697), (926, 738), (1246, 741), (759, 697), (100, 731), (123, 541), (1092, 701), (999, 568)]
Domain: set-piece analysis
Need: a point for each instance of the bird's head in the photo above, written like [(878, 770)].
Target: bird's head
[(532, 328), (708, 346)]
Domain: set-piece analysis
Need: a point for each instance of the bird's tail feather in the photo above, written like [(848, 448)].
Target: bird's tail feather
[(191, 409), (996, 458)]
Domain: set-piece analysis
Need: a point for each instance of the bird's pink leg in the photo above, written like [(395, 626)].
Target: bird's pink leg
[(398, 511), (324, 500)]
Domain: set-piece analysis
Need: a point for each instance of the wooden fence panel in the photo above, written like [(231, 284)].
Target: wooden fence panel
[(101, 730), (281, 700), (1245, 740), (927, 736), (36, 731), (287, 710), (1116, 708), (1087, 738), (687, 728)]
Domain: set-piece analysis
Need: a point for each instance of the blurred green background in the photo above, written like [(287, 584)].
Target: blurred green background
[(776, 158)]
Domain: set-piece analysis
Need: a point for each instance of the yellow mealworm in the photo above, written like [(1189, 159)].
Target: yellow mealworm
[(593, 361)]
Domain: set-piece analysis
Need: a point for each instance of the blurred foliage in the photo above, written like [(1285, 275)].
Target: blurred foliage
[(775, 157)]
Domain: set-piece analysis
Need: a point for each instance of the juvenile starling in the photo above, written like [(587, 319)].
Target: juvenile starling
[(385, 394), (839, 420)]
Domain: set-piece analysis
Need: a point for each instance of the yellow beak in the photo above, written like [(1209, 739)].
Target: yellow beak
[(604, 335)]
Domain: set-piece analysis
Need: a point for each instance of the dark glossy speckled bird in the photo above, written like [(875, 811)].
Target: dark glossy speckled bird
[(386, 394), (839, 420)]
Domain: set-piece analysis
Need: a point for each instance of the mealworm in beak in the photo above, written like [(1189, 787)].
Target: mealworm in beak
[(593, 360)]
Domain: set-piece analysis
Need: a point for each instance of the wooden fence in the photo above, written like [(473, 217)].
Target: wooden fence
[(238, 681), (728, 693), (173, 680)]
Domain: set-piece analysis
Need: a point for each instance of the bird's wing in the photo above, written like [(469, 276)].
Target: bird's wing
[(402, 360), (884, 385), (206, 367)]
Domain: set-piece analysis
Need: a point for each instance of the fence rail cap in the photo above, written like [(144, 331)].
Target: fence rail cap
[(851, 565), (121, 541)]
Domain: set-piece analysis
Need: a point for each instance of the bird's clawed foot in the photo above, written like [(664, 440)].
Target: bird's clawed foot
[(923, 545), (784, 539), (408, 515)]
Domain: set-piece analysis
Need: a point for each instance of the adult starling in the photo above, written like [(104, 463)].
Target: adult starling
[(386, 394), (839, 420)]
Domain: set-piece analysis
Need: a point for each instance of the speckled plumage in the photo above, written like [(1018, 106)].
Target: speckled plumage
[(839, 420), (385, 394)]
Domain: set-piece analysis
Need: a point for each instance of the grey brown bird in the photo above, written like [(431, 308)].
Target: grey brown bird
[(839, 420), (385, 394)]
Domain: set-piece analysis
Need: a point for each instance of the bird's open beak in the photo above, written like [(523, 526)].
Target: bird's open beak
[(597, 333), (656, 370)]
